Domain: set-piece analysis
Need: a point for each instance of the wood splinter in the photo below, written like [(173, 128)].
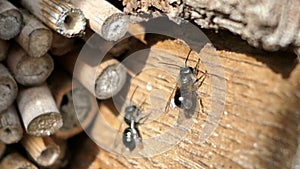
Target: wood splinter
[(16, 161), (11, 130), (35, 38), (8, 88), (105, 19), (27, 70), (10, 20), (76, 104), (43, 150), (58, 15), (38, 111)]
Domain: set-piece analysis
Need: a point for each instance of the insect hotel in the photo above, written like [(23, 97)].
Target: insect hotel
[(149, 84)]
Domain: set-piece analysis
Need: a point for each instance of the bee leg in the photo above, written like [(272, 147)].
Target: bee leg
[(201, 79)]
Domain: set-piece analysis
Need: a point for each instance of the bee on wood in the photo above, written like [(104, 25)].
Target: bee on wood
[(186, 97), (133, 117)]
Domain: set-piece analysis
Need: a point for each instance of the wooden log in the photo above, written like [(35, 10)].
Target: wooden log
[(8, 88), (103, 79), (105, 19), (11, 130), (38, 111), (35, 38), (258, 127), (16, 161), (27, 70), (61, 45), (10, 20), (4, 46), (76, 105), (254, 21), (58, 15), (42, 150)]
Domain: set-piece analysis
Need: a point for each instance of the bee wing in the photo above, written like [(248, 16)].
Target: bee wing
[(185, 114)]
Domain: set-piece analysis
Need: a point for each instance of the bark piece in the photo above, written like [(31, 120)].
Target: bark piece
[(271, 25)]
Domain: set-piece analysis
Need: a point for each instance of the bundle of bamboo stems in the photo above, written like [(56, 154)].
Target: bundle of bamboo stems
[(41, 105)]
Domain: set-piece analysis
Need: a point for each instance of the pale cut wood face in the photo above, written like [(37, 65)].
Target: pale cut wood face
[(257, 128)]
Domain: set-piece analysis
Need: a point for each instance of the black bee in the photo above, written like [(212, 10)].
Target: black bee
[(186, 96), (131, 135), (133, 117)]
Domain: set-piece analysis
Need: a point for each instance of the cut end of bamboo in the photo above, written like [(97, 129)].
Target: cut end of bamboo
[(45, 124), (115, 27), (8, 88), (11, 20), (16, 161), (43, 150), (112, 78), (28, 70), (11, 130), (39, 42), (11, 134), (71, 23)]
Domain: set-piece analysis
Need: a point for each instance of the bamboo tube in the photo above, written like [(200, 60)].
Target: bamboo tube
[(63, 158), (43, 150), (103, 80), (104, 18), (103, 45), (38, 111), (2, 149), (11, 130), (10, 20), (61, 45), (35, 38), (58, 15), (27, 70), (4, 46), (8, 88), (77, 106), (16, 161)]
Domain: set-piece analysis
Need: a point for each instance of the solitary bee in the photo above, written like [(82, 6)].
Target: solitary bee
[(186, 97), (133, 117)]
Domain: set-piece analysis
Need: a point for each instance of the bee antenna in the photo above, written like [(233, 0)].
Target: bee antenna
[(187, 57), (133, 93)]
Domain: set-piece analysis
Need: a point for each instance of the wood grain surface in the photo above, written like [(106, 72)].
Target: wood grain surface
[(258, 127)]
